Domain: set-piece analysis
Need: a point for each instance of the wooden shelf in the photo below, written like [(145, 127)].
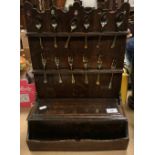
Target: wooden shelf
[(79, 71), (75, 34)]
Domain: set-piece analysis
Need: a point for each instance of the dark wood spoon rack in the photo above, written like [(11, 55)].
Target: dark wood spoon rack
[(77, 57)]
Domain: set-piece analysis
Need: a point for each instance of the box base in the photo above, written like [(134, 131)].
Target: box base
[(77, 125), (82, 145)]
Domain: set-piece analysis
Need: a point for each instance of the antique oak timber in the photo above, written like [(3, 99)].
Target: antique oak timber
[(77, 56)]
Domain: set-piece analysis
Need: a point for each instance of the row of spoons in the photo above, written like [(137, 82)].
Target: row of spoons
[(86, 25)]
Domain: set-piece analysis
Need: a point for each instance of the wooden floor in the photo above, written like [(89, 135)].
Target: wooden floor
[(25, 151)]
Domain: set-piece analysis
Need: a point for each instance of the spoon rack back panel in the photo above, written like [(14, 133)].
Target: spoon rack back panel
[(79, 52)]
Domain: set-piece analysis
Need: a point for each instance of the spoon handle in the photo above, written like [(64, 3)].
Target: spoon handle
[(99, 40), (98, 79), (60, 79), (45, 77), (55, 42), (110, 83), (114, 42), (41, 44), (86, 78), (73, 79), (86, 42), (67, 42)]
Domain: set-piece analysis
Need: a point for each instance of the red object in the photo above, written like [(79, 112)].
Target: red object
[(27, 93)]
